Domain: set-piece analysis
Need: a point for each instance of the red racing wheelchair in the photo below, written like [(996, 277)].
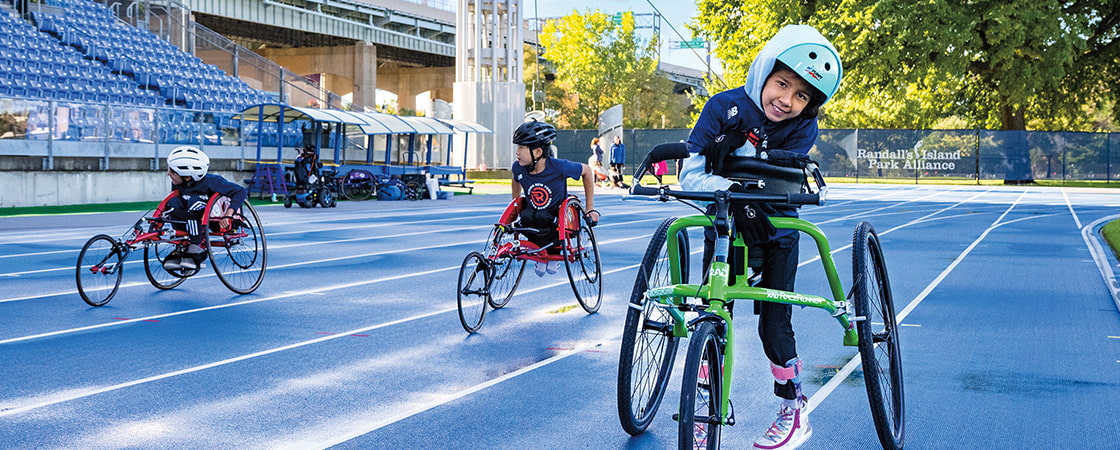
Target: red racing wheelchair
[(238, 253), (489, 278)]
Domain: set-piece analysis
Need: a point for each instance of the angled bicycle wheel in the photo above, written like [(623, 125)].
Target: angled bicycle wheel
[(877, 327), (154, 255), (239, 254), (699, 419), (581, 259), (99, 270), (648, 345), (357, 190), (473, 291), (507, 269)]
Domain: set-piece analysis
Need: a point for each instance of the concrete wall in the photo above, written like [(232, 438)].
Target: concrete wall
[(49, 188)]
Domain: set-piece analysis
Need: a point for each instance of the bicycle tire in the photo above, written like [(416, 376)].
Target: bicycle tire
[(472, 294), (100, 263), (581, 261), (878, 347), (507, 269), (648, 344), (154, 255), (698, 423), (239, 255)]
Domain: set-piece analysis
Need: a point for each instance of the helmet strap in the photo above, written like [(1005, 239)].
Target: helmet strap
[(536, 159)]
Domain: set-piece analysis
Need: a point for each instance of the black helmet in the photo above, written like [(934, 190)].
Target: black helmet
[(534, 134)]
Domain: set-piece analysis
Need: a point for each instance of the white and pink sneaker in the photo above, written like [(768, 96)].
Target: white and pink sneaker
[(789, 430)]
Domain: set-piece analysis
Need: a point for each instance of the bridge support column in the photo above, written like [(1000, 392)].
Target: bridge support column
[(365, 74)]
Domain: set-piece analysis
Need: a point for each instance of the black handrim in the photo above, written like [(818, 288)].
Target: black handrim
[(240, 256), (581, 260)]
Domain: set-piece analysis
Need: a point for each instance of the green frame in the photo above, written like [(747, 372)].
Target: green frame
[(717, 291)]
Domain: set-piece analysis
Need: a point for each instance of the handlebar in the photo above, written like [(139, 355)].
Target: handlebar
[(784, 199), (669, 151)]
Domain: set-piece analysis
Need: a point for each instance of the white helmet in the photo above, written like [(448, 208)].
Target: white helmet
[(188, 161)]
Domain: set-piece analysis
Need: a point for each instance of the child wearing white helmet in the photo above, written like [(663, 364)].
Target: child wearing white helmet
[(187, 167), (795, 73)]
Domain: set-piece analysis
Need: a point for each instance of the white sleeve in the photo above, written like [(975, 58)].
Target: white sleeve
[(694, 178)]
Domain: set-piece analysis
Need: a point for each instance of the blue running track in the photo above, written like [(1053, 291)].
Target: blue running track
[(1010, 337)]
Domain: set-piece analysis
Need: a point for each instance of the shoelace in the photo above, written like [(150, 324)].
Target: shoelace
[(781, 425)]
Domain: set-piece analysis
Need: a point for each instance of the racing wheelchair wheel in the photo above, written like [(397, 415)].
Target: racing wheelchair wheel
[(877, 327), (473, 293), (581, 257), (507, 269), (648, 344), (154, 254), (99, 270), (239, 254), (357, 187)]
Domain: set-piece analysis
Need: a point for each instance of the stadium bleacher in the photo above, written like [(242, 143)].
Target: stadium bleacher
[(78, 51)]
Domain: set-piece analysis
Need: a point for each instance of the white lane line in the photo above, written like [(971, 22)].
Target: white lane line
[(923, 219), (297, 264), (381, 423), (82, 393), (1076, 220), (822, 394)]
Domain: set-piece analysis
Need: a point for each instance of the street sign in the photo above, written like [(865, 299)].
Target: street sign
[(695, 43)]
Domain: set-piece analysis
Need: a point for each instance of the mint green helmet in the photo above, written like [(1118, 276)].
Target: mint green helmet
[(817, 64)]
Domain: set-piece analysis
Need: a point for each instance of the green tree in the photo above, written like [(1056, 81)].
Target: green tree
[(598, 64), (1002, 64)]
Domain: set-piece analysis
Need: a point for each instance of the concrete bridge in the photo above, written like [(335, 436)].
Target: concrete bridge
[(355, 47)]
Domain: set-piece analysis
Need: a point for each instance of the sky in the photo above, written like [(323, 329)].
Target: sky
[(674, 12)]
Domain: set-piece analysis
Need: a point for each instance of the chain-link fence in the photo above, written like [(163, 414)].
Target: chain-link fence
[(1012, 156)]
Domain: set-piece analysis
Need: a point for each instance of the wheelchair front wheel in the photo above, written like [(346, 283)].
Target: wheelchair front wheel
[(240, 254), (99, 270), (473, 291), (877, 328)]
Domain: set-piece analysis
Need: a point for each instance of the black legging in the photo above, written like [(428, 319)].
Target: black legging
[(779, 271), (543, 220)]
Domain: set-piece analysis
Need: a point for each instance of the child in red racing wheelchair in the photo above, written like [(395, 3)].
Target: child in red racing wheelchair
[(542, 178), (187, 167)]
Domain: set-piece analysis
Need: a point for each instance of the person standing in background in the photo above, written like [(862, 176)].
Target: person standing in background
[(618, 159)]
